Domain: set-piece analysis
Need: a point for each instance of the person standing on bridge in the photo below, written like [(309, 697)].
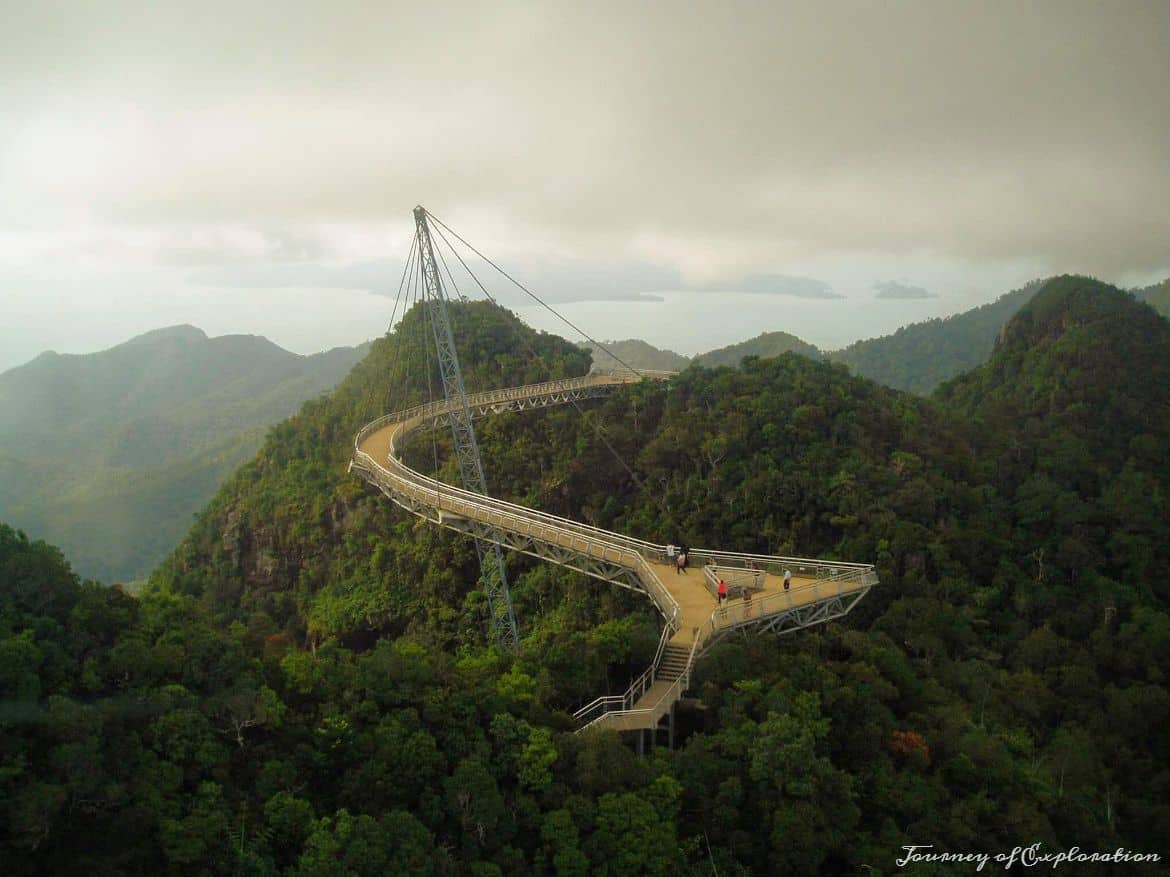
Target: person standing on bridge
[(787, 579), (722, 592), (671, 551), (681, 562)]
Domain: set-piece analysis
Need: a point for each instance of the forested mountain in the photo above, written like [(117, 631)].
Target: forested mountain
[(304, 688), (1157, 297), (766, 344), (919, 357), (109, 454), (636, 354)]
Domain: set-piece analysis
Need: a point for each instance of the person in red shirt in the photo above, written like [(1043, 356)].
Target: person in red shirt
[(722, 591)]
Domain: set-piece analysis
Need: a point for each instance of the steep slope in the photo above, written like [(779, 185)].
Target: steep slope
[(636, 353), (1157, 297), (918, 357), (1073, 413), (109, 454), (310, 684), (765, 345), (293, 522)]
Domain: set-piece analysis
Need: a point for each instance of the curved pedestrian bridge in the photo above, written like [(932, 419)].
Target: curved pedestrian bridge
[(819, 590)]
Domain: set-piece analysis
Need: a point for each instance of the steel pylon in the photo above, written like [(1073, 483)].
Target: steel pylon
[(493, 577)]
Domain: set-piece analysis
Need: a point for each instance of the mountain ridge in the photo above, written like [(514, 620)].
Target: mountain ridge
[(314, 683), (107, 452)]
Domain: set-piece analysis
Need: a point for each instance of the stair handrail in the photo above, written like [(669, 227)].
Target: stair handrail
[(669, 694), (636, 688)]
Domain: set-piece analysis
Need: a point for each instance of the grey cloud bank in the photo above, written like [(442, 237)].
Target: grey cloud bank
[(619, 150)]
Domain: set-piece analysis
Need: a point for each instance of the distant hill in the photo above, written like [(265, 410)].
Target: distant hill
[(109, 454), (635, 353), (1157, 296), (919, 357), (766, 345)]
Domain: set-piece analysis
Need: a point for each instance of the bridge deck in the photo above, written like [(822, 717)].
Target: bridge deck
[(820, 590), (696, 602)]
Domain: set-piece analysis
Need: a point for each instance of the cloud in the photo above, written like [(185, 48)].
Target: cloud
[(717, 141), (894, 289)]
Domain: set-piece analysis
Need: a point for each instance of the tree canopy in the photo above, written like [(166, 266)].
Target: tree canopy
[(306, 686)]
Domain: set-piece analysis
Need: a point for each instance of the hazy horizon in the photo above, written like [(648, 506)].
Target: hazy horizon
[(641, 318), (252, 168)]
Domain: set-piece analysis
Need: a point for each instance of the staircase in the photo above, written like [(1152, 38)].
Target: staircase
[(674, 662)]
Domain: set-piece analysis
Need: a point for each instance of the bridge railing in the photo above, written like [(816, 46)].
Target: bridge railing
[(616, 708), (831, 577), (637, 688), (592, 541), (740, 612), (423, 416), (420, 416), (741, 580)]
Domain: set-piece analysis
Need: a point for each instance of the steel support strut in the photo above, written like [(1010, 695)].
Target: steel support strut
[(493, 578)]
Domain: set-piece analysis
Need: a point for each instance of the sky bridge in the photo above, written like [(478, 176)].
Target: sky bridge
[(759, 597), (819, 590)]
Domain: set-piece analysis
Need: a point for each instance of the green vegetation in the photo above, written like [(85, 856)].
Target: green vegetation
[(767, 344), (110, 454), (636, 354), (919, 357), (1157, 297), (304, 688)]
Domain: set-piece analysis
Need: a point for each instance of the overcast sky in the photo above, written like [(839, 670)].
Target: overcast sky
[(224, 163)]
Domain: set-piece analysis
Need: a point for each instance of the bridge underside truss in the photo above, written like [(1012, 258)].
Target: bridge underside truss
[(562, 397), (830, 589), (794, 619), (570, 558)]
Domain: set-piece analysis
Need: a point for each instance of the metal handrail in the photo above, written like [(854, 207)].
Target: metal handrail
[(733, 614), (669, 695), (616, 548), (636, 688), (546, 528), (743, 579), (649, 550)]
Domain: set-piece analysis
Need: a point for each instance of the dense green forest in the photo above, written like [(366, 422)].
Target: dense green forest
[(110, 454), (919, 357), (634, 353), (764, 345), (305, 686)]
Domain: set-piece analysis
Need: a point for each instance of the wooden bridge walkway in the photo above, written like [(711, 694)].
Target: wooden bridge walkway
[(819, 589)]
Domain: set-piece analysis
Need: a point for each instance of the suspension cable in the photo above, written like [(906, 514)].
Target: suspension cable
[(585, 415), (527, 292), (401, 283), (396, 352)]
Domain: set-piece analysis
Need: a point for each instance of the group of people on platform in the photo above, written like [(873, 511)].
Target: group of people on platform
[(677, 555)]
